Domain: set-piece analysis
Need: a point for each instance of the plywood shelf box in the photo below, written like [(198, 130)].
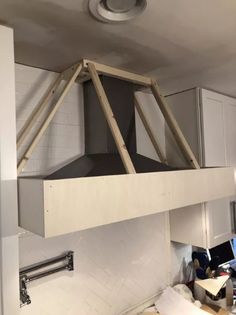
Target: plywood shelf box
[(62, 206)]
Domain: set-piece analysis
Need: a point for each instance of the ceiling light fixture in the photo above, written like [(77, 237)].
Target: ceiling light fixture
[(115, 11)]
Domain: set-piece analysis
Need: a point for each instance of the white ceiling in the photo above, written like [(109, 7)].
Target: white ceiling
[(183, 42)]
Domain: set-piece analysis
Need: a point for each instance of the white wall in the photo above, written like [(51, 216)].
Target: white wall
[(117, 265), (9, 291)]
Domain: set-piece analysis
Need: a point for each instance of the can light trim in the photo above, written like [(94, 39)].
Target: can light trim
[(116, 11)]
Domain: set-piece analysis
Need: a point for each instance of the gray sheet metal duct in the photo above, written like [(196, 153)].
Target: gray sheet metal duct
[(101, 155)]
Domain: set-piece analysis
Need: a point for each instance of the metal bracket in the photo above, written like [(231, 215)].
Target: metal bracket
[(24, 297), (29, 274)]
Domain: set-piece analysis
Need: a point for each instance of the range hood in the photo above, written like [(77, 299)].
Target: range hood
[(111, 182), (101, 154)]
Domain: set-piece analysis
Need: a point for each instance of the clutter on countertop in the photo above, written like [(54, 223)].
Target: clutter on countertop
[(178, 301), (213, 283), (185, 292), (206, 268), (172, 303), (211, 309), (214, 310), (200, 263)]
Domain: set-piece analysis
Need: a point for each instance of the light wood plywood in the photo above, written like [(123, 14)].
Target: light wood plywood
[(31, 198), (81, 203)]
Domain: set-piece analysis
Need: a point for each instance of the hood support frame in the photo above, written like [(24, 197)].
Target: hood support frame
[(85, 70)]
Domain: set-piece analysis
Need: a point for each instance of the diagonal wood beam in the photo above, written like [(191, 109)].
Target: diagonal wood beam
[(34, 116), (48, 119), (149, 131), (174, 127), (106, 107)]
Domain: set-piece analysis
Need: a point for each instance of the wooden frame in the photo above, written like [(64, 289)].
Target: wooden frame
[(118, 73), (106, 107), (88, 69)]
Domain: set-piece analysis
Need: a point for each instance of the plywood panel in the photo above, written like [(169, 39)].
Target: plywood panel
[(81, 203), (31, 204)]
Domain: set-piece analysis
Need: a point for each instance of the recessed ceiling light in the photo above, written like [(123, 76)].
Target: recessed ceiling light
[(115, 11)]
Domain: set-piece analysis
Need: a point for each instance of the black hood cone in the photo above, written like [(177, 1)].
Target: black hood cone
[(101, 155)]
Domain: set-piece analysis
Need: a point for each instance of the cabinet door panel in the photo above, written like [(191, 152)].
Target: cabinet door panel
[(188, 225), (219, 225), (214, 145)]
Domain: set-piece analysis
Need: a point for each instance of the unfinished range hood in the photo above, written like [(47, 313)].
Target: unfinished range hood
[(101, 154), (94, 189)]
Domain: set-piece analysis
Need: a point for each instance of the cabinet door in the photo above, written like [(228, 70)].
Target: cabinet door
[(188, 225), (218, 221), (213, 129)]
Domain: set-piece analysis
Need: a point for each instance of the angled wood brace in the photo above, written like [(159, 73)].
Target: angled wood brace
[(85, 70), (149, 131)]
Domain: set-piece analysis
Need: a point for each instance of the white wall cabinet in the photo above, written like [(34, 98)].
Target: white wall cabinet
[(208, 120)]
